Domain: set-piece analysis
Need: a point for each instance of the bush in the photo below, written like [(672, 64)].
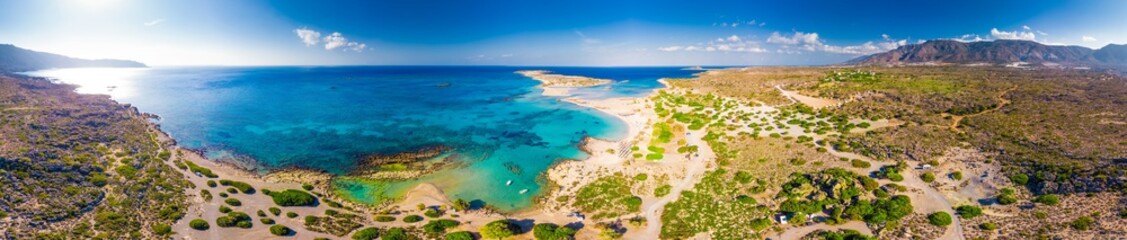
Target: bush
[(233, 202), (939, 219), (432, 213), (412, 218), (1082, 223), (633, 202), (1019, 179), (280, 230), (439, 226), (928, 177), (1047, 199), (199, 224), (223, 194), (988, 226), (1006, 199), (370, 233), (662, 190), (499, 229), (968, 211), (260, 213), (307, 187), (206, 195), (161, 229), (234, 219), (275, 211), (211, 183), (292, 197), (957, 175), (459, 235), (396, 233), (267, 221), (385, 218), (224, 209), (242, 186), (858, 163), (549, 231), (291, 214)]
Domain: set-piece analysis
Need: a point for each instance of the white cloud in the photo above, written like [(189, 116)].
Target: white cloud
[(1088, 39), (1042, 33), (796, 38), (1015, 35), (586, 40), (1026, 27), (670, 48), (337, 40), (154, 22), (309, 37), (733, 38)]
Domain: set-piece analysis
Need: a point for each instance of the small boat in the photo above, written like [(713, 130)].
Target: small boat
[(510, 182), (522, 191)]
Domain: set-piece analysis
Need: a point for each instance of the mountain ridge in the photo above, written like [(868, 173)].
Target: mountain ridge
[(16, 59), (998, 52)]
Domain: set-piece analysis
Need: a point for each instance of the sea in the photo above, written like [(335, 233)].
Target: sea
[(497, 125)]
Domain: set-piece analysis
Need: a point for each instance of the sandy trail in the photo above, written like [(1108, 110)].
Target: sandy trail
[(696, 167), (809, 101), (1002, 102)]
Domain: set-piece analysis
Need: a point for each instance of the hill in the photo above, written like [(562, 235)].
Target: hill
[(16, 59), (997, 52)]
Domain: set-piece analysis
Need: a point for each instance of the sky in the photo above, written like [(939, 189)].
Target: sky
[(556, 33)]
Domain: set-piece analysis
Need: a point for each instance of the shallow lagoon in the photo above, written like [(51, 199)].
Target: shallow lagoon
[(328, 117)]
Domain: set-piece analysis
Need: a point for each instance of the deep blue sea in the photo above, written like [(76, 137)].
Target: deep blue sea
[(329, 117)]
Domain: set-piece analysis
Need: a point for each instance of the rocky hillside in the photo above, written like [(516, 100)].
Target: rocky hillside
[(997, 52), (16, 59)]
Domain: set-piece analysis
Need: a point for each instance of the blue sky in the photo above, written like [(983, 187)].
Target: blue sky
[(484, 32)]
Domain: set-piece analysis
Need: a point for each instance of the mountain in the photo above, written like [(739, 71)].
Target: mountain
[(999, 51), (1112, 54), (15, 59)]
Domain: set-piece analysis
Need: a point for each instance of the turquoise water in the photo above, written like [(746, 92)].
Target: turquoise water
[(498, 124)]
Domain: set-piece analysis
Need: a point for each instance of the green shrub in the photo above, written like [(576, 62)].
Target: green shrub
[(234, 219), (858, 163), (162, 229), (1006, 199), (1019, 179), (968, 211), (211, 183), (385, 218), (291, 214), (275, 211), (459, 235), (939, 219), (633, 202), (641, 177), (662, 190), (280, 230), (292, 197), (199, 224), (241, 186), (370, 233), (396, 233), (201, 170), (307, 187), (988, 226), (1047, 199), (266, 221), (233, 202), (1082, 223), (957, 175), (412, 218), (224, 209), (549, 231), (432, 213), (499, 229), (439, 226), (928, 177)]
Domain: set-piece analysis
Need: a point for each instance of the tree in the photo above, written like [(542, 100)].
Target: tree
[(280, 230), (199, 224), (939, 219), (1047, 199), (549, 231), (968, 211), (370, 233), (460, 235), (498, 229)]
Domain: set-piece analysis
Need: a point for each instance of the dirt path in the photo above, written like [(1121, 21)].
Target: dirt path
[(800, 232), (1002, 102), (809, 101), (693, 171)]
